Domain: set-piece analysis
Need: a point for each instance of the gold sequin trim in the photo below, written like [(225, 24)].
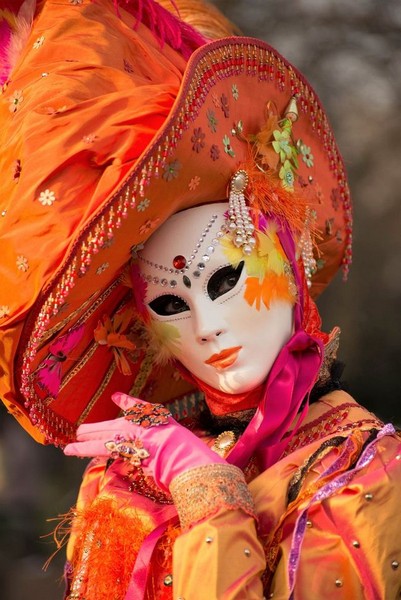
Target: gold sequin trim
[(201, 492)]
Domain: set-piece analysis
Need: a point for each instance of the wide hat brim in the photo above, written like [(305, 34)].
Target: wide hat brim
[(225, 90)]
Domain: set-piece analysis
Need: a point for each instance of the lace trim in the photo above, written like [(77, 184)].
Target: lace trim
[(201, 492)]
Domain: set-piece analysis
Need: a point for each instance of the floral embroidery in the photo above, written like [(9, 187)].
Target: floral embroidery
[(148, 226), (193, 184), (89, 139), (225, 106), (335, 198), (4, 311), (128, 67), (22, 263), (227, 146), (143, 205), (102, 268), (16, 99), (212, 121), (234, 91), (171, 170), (214, 152), (16, 169), (215, 100), (306, 152), (110, 333), (39, 42), (198, 139), (47, 198)]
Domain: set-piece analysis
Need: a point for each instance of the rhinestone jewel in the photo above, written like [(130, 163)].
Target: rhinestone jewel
[(179, 262)]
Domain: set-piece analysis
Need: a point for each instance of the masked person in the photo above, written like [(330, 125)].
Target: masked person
[(159, 266)]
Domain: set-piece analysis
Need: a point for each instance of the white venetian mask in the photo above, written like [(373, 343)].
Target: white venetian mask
[(197, 297)]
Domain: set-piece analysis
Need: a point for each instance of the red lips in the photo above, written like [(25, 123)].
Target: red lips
[(224, 359)]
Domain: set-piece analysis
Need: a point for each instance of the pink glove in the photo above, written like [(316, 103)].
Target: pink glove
[(147, 436)]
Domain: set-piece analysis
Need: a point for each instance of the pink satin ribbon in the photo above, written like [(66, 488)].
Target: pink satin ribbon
[(289, 382), (137, 585)]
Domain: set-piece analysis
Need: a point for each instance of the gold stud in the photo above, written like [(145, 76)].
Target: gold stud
[(356, 544), (247, 552), (168, 580), (395, 564), (398, 457), (368, 497), (209, 539), (224, 442), (339, 583), (309, 523)]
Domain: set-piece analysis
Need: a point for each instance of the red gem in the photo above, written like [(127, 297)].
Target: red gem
[(179, 262)]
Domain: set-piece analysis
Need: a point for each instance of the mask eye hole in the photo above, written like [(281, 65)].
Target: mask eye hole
[(168, 305), (224, 280)]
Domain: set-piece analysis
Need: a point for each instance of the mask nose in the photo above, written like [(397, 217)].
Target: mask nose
[(209, 336), (208, 323)]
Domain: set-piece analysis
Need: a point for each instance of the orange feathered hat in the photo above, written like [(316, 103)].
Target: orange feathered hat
[(105, 133)]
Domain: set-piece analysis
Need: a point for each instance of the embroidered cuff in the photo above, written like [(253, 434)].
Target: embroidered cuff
[(201, 492)]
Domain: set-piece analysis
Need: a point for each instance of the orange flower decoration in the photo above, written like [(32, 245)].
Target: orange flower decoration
[(148, 415), (111, 333), (272, 287)]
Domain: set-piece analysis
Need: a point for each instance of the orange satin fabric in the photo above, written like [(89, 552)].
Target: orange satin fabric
[(222, 570), (76, 84)]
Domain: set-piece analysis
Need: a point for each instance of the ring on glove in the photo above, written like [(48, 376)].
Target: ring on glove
[(129, 450), (147, 415)]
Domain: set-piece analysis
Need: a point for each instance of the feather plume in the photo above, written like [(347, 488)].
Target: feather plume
[(267, 196), (165, 26), (15, 29)]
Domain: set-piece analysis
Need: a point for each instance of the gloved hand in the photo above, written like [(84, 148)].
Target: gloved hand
[(146, 436)]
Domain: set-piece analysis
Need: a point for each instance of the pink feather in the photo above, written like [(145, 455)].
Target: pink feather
[(14, 35), (165, 26)]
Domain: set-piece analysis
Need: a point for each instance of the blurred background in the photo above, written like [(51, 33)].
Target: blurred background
[(351, 53)]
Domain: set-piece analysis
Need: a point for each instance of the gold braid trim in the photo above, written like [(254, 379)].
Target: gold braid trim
[(201, 492)]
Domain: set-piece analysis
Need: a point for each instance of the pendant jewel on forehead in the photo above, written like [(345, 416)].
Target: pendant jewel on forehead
[(239, 222), (180, 264)]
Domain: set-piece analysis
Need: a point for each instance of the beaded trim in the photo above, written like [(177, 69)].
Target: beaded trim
[(329, 423), (201, 492)]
